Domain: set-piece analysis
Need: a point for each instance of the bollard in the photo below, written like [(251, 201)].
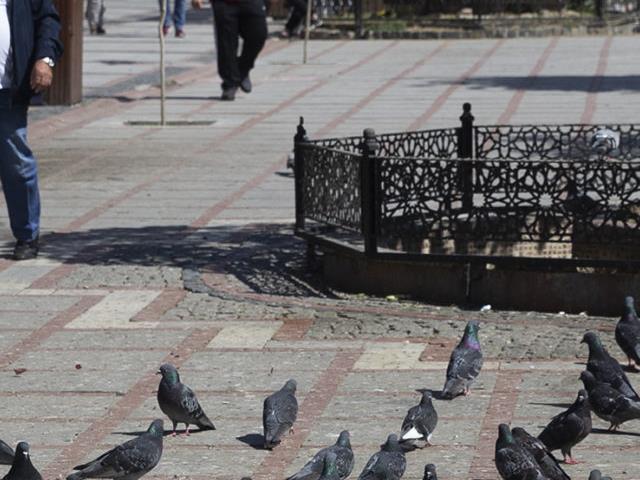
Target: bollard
[(298, 170), (368, 189), (465, 150)]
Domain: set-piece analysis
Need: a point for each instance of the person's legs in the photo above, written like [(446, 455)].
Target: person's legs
[(19, 174), (298, 12), (101, 14), (167, 19), (225, 17), (253, 30), (179, 15)]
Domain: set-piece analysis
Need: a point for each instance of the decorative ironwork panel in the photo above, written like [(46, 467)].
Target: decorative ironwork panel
[(331, 187), (554, 142), (441, 143), (527, 201)]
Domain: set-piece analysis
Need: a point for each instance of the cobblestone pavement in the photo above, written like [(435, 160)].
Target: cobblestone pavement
[(175, 245)]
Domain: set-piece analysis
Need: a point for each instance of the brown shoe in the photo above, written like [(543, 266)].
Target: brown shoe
[(180, 34)]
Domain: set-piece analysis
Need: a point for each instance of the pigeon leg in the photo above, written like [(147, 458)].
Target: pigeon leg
[(186, 432), (569, 460), (175, 425)]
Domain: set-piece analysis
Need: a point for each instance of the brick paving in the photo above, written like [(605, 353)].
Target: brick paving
[(176, 245)]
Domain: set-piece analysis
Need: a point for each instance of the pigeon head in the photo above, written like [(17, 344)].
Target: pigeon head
[(629, 309), (22, 450), (504, 434), (593, 342), (169, 374), (470, 337), (392, 445), (291, 386), (330, 468), (430, 472), (426, 398), (588, 380), (344, 439), (595, 475), (156, 428), (582, 401)]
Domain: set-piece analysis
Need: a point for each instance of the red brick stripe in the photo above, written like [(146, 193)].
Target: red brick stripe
[(596, 82)]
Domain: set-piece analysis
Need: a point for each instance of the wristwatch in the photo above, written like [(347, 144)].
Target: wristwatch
[(49, 61)]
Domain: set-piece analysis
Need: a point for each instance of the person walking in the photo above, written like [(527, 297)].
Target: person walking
[(29, 48), (298, 11), (95, 16), (178, 17), (233, 19)]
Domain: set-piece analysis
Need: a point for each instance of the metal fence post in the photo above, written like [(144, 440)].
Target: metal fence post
[(299, 138), (368, 188), (599, 7), (465, 150), (357, 12)]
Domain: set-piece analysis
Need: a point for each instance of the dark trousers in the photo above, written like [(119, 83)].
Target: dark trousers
[(233, 19), (298, 13)]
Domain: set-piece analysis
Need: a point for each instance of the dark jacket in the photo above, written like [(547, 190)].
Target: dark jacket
[(35, 26)]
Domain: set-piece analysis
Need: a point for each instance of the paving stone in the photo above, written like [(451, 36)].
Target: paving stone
[(115, 339), (99, 276), (133, 361)]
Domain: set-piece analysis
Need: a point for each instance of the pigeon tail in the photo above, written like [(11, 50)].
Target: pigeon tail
[(205, 424), (75, 476), (452, 388)]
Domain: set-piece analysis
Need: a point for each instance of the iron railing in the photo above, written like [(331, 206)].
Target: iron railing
[(541, 193)]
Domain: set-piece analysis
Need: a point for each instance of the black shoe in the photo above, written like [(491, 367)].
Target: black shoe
[(26, 249), (101, 31), (245, 84), (229, 94)]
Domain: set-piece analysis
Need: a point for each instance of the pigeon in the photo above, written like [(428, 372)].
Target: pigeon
[(596, 475), (628, 333), (430, 472), (6, 454), (513, 462), (568, 428), (608, 403), (279, 414), (465, 363), (343, 460), (22, 468), (330, 468), (606, 368), (128, 461), (178, 402), (420, 422), (387, 464), (547, 462)]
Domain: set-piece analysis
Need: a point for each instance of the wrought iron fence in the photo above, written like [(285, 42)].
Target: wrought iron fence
[(476, 192)]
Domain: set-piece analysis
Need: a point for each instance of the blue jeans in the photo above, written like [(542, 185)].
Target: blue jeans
[(179, 14), (19, 173)]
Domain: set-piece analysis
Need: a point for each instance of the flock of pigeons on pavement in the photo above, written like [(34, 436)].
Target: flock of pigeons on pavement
[(518, 455)]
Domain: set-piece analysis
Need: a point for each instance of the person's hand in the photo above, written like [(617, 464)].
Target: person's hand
[(41, 76), (197, 4)]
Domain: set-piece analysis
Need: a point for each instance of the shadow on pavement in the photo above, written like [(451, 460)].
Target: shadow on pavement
[(564, 83), (267, 258), (254, 440)]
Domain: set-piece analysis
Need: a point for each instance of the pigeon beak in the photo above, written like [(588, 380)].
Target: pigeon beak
[(26, 454), (158, 372)]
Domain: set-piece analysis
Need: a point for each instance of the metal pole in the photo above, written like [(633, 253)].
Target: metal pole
[(465, 150), (163, 15), (368, 187), (357, 13), (298, 170), (307, 27)]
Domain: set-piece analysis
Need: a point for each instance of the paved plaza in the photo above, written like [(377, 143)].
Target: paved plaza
[(175, 245)]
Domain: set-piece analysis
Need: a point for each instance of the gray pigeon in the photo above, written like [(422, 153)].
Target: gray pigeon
[(547, 462), (387, 464), (22, 468), (568, 428), (596, 475), (128, 461), (178, 402), (606, 368), (330, 468), (279, 414), (420, 422), (628, 333), (430, 472), (465, 363), (513, 462), (608, 403), (6, 454), (343, 460)]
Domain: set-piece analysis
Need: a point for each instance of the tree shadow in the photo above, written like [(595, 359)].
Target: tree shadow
[(563, 83), (552, 404), (604, 431), (265, 258), (165, 433)]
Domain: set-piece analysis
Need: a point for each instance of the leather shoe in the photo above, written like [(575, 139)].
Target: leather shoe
[(246, 85), (26, 249), (229, 94)]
